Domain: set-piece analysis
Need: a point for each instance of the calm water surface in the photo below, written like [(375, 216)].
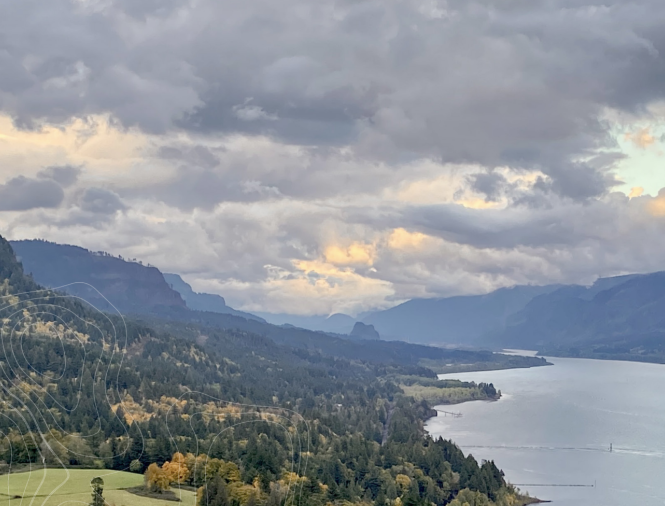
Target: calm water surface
[(554, 426)]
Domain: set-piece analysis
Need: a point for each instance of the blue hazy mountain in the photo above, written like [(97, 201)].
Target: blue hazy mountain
[(622, 316), (453, 320), (203, 301)]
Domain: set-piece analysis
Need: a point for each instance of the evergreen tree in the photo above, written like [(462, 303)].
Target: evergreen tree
[(97, 485), (214, 493)]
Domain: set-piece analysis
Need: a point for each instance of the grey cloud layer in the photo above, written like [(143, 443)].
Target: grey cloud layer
[(22, 193), (520, 83), (352, 95)]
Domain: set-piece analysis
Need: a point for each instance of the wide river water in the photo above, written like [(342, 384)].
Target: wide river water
[(554, 426)]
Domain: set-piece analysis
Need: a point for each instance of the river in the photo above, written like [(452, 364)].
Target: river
[(554, 426)]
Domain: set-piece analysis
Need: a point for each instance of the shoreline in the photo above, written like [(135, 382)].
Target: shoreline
[(524, 500), (456, 369), (493, 399)]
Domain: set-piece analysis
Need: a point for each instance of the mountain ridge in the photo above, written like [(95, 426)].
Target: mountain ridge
[(126, 285), (452, 320), (203, 301)]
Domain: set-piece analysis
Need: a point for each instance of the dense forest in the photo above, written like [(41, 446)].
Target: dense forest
[(240, 417)]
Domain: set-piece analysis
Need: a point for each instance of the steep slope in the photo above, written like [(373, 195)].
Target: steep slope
[(454, 319), (129, 286), (622, 316), (203, 301)]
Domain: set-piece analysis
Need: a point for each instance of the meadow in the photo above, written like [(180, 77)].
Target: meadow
[(60, 487)]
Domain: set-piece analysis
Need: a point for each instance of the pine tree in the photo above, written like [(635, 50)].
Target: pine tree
[(214, 493)]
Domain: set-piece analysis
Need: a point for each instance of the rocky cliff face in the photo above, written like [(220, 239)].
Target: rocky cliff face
[(363, 331), (98, 278)]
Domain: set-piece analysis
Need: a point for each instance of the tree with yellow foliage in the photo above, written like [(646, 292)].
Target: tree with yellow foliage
[(156, 480), (403, 483), (176, 469)]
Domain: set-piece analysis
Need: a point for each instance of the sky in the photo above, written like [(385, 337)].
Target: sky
[(339, 156)]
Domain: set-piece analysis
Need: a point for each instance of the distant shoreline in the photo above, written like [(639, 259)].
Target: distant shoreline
[(481, 366)]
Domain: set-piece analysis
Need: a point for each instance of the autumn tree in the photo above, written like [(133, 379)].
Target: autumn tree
[(403, 482), (156, 479), (176, 470)]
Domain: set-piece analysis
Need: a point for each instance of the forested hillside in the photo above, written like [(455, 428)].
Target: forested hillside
[(240, 417), (127, 285), (618, 318)]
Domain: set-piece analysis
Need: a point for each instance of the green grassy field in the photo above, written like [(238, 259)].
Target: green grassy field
[(449, 395), (58, 487)]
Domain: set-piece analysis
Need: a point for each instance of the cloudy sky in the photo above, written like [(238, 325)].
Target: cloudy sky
[(339, 155)]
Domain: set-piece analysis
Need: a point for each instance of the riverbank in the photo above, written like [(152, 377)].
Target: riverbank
[(448, 392), (605, 353), (499, 362)]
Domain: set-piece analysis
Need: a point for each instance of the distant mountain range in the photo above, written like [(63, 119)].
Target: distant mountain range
[(204, 301), (620, 317), (616, 317), (142, 293), (453, 320)]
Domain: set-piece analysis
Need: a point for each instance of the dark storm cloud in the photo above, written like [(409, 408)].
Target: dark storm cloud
[(65, 59), (491, 184), (22, 193), (578, 181), (195, 187), (521, 83)]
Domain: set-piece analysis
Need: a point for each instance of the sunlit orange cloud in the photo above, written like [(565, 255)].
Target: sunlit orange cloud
[(342, 288), (478, 204), (106, 152), (402, 239), (355, 254), (80, 140), (642, 138), (636, 191), (656, 206), (325, 288)]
